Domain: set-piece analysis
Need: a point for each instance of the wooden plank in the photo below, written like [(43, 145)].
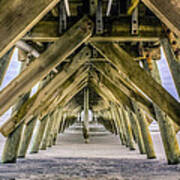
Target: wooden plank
[(124, 39), (18, 17), (46, 31), (55, 54), (167, 11), (144, 81)]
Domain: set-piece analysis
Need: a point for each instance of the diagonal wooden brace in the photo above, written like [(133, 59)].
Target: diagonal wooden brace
[(141, 79), (55, 54)]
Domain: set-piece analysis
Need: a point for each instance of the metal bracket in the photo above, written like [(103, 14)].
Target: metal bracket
[(135, 22), (99, 18), (62, 17)]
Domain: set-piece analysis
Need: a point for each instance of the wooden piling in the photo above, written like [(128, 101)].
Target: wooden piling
[(127, 124), (39, 135), (11, 147), (148, 143), (167, 131), (26, 137), (44, 139), (137, 131)]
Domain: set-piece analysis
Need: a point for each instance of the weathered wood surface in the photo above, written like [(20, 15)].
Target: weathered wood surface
[(103, 91), (18, 17), (46, 31), (26, 137), (42, 98), (147, 139), (121, 83), (62, 97), (174, 65), (137, 130), (11, 147), (130, 69), (38, 69), (167, 130), (130, 141), (167, 11), (39, 134)]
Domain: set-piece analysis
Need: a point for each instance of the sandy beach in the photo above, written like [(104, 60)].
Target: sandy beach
[(103, 158)]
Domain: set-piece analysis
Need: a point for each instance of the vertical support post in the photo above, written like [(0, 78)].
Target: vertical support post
[(26, 137), (113, 118), (11, 147), (61, 128), (86, 115), (45, 136), (174, 65), (148, 143), (131, 144), (58, 118), (12, 144), (49, 141), (137, 131), (39, 134), (119, 126), (166, 128), (120, 116)]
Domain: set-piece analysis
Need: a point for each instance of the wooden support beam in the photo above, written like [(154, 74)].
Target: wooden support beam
[(130, 69), (119, 31), (16, 131), (118, 124), (11, 147), (167, 11), (121, 125), (127, 87), (148, 143), (43, 96), (39, 134), (49, 140), (117, 93), (43, 144), (114, 120), (85, 128), (57, 125), (167, 130), (128, 127), (18, 17), (174, 65), (26, 137), (137, 130), (55, 54)]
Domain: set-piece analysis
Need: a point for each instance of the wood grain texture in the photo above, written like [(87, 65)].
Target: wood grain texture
[(167, 11), (144, 81), (55, 54)]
